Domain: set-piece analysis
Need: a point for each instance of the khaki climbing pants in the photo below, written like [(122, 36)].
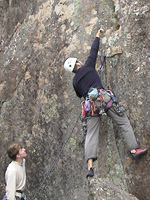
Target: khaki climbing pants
[(93, 130)]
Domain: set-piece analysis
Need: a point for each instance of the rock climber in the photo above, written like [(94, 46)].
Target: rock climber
[(87, 81)]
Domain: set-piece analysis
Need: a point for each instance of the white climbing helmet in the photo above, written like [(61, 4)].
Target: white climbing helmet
[(70, 64)]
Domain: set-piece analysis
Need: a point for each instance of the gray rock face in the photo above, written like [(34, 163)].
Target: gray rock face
[(101, 189), (38, 106)]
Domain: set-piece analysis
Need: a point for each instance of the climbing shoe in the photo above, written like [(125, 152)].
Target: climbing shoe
[(138, 153), (90, 173)]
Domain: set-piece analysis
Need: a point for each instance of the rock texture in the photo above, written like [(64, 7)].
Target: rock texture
[(101, 189), (38, 106)]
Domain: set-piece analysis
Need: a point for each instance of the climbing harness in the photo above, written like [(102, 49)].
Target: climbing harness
[(20, 198), (55, 161), (97, 102)]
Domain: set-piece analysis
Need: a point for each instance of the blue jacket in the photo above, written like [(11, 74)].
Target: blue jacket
[(87, 77)]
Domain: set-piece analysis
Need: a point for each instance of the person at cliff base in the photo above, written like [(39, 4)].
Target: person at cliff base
[(87, 84), (15, 175)]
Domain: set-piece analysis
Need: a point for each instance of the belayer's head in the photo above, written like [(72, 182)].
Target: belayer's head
[(16, 151), (72, 65)]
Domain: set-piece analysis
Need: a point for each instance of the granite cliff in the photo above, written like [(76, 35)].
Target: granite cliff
[(38, 106)]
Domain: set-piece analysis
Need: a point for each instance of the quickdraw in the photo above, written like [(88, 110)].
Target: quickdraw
[(103, 59)]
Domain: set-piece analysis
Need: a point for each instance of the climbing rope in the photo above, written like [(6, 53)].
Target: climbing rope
[(55, 161)]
